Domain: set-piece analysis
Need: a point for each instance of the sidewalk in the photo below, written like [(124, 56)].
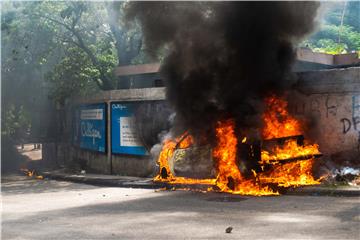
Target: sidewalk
[(147, 183)]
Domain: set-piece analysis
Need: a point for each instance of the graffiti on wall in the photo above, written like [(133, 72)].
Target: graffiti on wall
[(331, 106), (356, 106), (354, 122), (338, 115), (356, 115)]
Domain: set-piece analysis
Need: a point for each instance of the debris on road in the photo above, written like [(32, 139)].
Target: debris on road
[(229, 229), (345, 175)]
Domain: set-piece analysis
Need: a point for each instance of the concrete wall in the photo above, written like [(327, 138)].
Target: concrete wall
[(130, 165), (91, 161), (336, 121), (120, 164), (307, 55), (141, 94), (331, 100)]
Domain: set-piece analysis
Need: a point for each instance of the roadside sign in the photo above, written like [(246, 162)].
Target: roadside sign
[(92, 132), (124, 136)]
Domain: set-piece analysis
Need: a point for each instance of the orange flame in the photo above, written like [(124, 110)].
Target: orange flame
[(290, 174), (166, 152), (277, 121), (225, 154), (31, 173), (169, 146), (289, 150)]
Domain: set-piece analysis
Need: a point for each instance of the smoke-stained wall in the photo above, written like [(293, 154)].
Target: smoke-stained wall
[(338, 120), (331, 101)]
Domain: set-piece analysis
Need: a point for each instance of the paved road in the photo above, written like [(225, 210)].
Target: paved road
[(44, 209), (29, 152)]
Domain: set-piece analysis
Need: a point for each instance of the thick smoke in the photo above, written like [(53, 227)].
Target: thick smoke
[(223, 58)]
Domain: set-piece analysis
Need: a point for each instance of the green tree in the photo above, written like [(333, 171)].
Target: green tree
[(54, 50), (73, 76), (340, 30), (95, 29), (61, 49), (23, 67), (47, 35), (17, 123)]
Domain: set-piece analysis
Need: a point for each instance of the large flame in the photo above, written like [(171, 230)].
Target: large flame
[(169, 146), (277, 121), (229, 178), (290, 150), (278, 124), (225, 154), (290, 174), (279, 170)]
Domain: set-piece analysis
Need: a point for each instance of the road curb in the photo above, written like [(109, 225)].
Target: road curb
[(149, 184), (324, 191), (104, 182)]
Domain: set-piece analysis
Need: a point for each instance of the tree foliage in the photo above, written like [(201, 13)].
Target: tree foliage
[(72, 76), (16, 125), (92, 29), (54, 50), (339, 31), (23, 67), (89, 35)]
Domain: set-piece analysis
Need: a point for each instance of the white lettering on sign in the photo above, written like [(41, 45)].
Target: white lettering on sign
[(87, 130), (128, 134), (119, 106), (91, 114)]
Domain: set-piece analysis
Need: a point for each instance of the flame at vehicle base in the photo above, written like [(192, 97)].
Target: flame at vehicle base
[(31, 173)]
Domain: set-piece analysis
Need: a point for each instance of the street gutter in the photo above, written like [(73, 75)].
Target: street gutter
[(148, 183)]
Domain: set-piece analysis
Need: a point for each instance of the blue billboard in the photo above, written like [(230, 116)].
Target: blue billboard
[(92, 127), (124, 136)]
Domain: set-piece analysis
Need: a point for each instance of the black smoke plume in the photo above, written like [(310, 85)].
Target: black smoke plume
[(223, 58)]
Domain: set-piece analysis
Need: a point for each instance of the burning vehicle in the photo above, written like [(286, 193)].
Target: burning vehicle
[(282, 159), (228, 77)]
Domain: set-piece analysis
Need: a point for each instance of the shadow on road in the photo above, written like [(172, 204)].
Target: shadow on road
[(78, 211)]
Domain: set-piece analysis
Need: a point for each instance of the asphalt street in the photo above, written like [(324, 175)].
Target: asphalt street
[(48, 209)]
